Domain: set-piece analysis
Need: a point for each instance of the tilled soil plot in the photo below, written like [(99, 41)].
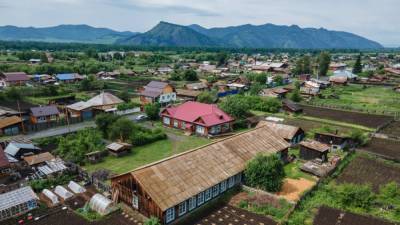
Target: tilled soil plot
[(231, 215), (392, 130), (363, 170), (367, 120), (384, 147), (330, 216)]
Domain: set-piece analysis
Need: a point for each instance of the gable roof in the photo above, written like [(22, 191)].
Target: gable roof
[(44, 111), (175, 179), (16, 76), (13, 147), (8, 121), (104, 98), (192, 111), (16, 197), (154, 89), (39, 158), (68, 76), (285, 131), (315, 145)]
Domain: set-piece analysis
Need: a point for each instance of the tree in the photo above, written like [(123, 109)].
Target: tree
[(295, 96), (221, 58), (190, 75), (324, 60), (255, 89), (303, 65), (265, 172), (124, 95), (278, 80), (13, 94), (207, 97), (152, 221), (357, 196), (121, 129), (152, 111), (357, 66), (235, 106), (104, 121), (175, 76), (359, 137)]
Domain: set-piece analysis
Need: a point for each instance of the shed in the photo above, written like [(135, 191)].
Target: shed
[(76, 188), (311, 149), (335, 140), (291, 134), (34, 160), (17, 202), (94, 157), (51, 196), (101, 204), (18, 149), (119, 148), (63, 193), (290, 106)]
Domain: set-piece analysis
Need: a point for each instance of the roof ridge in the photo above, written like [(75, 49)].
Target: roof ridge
[(190, 151)]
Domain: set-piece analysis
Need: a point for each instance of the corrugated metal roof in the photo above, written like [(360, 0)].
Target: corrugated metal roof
[(175, 179), (44, 111), (13, 147), (16, 197)]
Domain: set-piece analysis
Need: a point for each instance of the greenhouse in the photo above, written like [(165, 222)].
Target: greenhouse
[(17, 202), (63, 193), (76, 188), (101, 204), (51, 196)]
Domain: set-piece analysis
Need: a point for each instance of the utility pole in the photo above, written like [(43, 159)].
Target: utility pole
[(20, 116)]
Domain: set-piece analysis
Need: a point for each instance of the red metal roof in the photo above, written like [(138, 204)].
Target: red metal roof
[(193, 112)]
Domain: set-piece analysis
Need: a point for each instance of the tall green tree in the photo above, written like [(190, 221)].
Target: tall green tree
[(357, 69), (190, 75), (324, 60), (152, 111), (303, 65), (104, 121)]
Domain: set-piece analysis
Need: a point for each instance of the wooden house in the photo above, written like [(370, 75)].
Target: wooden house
[(94, 157), (291, 134), (44, 114), (38, 159), (199, 118), (13, 79), (157, 92), (175, 187), (187, 95), (311, 149), (292, 107), (200, 86), (10, 125), (334, 140), (119, 148)]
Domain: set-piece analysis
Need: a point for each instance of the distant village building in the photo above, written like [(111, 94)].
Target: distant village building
[(336, 141), (157, 92), (44, 114), (199, 118), (10, 125), (13, 79), (69, 77), (175, 187)]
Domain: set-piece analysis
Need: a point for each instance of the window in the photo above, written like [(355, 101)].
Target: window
[(192, 203), (200, 198), (223, 186), (208, 194), (135, 202), (215, 190), (175, 123), (199, 129), (170, 215), (231, 182), (166, 120), (182, 208), (238, 178), (183, 125)]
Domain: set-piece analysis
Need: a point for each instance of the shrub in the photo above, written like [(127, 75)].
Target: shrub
[(152, 221), (357, 196)]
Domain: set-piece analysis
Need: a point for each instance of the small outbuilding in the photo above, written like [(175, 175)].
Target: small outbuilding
[(51, 196), (101, 204), (291, 107), (17, 202), (311, 149), (336, 141), (63, 192), (119, 148), (76, 188), (291, 134), (94, 157)]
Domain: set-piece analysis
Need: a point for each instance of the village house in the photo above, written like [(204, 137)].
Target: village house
[(174, 187), (17, 202), (108, 75), (338, 80), (69, 77), (336, 141), (291, 107), (292, 134), (13, 79), (311, 149), (44, 115), (187, 95), (337, 66), (38, 159), (274, 92), (200, 86), (157, 92), (310, 88), (43, 79), (17, 150), (10, 125), (199, 118), (165, 70)]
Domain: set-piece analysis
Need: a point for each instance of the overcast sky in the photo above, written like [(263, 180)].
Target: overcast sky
[(378, 20)]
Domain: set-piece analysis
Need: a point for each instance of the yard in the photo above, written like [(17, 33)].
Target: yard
[(148, 153), (372, 99)]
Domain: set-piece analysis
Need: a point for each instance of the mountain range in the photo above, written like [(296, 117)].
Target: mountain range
[(173, 35)]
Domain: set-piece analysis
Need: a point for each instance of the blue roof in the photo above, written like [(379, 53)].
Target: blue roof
[(65, 76)]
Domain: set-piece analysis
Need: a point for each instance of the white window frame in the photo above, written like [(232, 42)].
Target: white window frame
[(170, 215), (208, 195), (215, 191), (231, 181), (166, 119), (182, 208), (223, 186), (135, 202), (192, 203), (200, 198), (200, 129), (176, 123)]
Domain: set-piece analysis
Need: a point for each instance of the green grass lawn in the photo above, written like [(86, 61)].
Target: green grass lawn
[(373, 99), (292, 170), (147, 154)]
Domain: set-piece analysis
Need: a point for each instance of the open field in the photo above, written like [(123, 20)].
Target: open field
[(372, 99), (330, 216), (384, 147), (366, 170), (367, 120), (148, 153)]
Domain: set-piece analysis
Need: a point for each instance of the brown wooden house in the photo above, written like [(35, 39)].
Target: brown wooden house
[(336, 141), (44, 114), (174, 187), (311, 149), (119, 148), (291, 134), (291, 107)]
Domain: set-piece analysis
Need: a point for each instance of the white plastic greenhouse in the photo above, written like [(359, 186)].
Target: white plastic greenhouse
[(101, 204), (63, 193), (76, 188), (50, 195)]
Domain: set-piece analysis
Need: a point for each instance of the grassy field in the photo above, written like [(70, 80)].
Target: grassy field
[(149, 153), (373, 99)]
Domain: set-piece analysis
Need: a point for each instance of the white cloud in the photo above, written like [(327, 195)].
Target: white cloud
[(374, 19)]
